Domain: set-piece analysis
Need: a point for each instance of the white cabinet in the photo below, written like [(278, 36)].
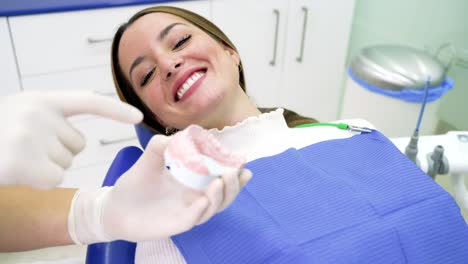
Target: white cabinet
[(314, 61), (69, 41), (56, 42), (311, 40), (258, 29), (9, 81)]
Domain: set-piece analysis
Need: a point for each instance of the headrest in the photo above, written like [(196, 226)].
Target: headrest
[(144, 135)]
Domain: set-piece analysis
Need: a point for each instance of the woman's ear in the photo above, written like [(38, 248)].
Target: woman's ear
[(234, 55)]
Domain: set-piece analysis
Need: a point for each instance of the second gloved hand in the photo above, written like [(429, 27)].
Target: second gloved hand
[(148, 203), (38, 143)]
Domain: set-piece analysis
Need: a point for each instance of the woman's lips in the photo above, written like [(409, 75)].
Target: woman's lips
[(187, 82)]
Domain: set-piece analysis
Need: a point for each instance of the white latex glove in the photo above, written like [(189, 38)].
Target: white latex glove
[(148, 203), (38, 143)]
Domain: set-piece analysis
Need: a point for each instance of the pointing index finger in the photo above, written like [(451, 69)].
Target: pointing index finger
[(78, 102)]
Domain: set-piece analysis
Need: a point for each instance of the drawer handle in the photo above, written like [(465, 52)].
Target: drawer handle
[(107, 142), (304, 29), (104, 93), (276, 12), (98, 40)]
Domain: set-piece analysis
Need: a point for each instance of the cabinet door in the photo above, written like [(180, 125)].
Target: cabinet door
[(96, 79), (257, 28), (9, 81), (60, 42), (104, 139), (317, 41)]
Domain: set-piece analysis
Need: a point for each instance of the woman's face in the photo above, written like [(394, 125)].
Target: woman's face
[(182, 74)]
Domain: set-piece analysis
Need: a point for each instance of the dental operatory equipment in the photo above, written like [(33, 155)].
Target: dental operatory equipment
[(412, 149), (440, 154), (400, 80), (452, 160)]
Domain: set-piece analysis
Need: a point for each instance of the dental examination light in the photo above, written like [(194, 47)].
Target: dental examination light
[(386, 87)]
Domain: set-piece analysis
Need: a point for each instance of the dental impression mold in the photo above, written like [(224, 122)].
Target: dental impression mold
[(195, 157)]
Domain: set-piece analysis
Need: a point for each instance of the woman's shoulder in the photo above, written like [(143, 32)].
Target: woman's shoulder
[(292, 118)]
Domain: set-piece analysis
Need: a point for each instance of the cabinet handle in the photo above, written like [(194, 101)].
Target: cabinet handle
[(105, 142), (275, 47), (304, 29), (111, 94), (98, 40)]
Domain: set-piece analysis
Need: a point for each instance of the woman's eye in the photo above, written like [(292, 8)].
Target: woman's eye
[(181, 42), (147, 77)]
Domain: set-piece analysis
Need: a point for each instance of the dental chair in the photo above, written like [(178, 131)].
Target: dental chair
[(389, 229), (119, 252)]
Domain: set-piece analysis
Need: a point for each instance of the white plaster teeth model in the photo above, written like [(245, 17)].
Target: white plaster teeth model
[(195, 158)]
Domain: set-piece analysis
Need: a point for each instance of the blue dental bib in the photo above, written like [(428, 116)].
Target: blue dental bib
[(354, 200)]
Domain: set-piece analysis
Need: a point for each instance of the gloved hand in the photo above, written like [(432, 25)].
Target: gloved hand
[(38, 143), (148, 203)]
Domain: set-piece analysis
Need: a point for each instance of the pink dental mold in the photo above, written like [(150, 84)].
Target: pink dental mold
[(194, 157)]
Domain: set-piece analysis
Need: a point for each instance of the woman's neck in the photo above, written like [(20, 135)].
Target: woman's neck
[(235, 112)]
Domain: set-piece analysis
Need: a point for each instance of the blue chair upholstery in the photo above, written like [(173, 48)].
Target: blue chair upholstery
[(144, 135), (119, 252)]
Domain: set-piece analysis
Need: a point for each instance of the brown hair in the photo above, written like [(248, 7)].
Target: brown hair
[(126, 92), (124, 88)]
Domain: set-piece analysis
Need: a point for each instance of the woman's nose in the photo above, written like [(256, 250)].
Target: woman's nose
[(169, 73), (172, 67)]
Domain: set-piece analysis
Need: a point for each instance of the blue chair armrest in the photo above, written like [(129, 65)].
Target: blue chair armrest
[(115, 252)]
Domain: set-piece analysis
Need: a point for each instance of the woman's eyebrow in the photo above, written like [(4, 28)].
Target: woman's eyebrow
[(166, 30), (134, 64)]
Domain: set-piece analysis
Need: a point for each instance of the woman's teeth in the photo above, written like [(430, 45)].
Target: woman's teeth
[(188, 83)]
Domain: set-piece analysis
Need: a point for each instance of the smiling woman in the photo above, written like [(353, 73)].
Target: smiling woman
[(179, 68)]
